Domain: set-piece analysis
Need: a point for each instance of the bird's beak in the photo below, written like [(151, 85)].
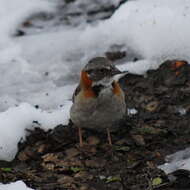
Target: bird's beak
[(119, 76), (108, 81)]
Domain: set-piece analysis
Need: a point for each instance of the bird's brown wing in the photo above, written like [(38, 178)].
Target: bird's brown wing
[(77, 90)]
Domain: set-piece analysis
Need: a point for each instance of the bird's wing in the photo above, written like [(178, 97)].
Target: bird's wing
[(77, 90)]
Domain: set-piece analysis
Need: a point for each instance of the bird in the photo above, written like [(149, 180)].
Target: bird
[(98, 101)]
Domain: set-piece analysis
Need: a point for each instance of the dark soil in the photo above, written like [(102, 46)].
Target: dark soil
[(53, 160), (68, 14)]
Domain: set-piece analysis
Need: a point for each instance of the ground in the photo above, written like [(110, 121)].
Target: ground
[(53, 160)]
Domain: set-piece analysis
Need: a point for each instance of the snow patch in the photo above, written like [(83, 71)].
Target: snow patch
[(132, 111), (157, 29), (18, 185), (16, 120), (176, 161)]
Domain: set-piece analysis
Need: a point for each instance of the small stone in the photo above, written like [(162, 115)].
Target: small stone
[(50, 157), (151, 164), (83, 175), (157, 154), (139, 140), (102, 177), (73, 162), (99, 163), (92, 140), (26, 154), (121, 142), (113, 179), (22, 156), (66, 180), (122, 148), (84, 187), (48, 166), (42, 148), (152, 106), (72, 152)]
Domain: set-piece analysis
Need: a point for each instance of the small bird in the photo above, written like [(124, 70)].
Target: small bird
[(98, 101)]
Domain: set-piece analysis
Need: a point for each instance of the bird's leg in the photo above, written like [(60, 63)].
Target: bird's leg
[(80, 136), (109, 137)]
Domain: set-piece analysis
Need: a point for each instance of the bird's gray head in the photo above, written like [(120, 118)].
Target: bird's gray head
[(99, 68)]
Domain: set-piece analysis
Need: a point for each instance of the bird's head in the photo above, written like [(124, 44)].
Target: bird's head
[(99, 73), (100, 68)]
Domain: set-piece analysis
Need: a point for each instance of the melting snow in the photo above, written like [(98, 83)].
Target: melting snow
[(176, 161), (18, 185)]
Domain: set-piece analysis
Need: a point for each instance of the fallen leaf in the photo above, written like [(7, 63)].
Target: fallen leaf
[(113, 179), (156, 181), (76, 169), (6, 169)]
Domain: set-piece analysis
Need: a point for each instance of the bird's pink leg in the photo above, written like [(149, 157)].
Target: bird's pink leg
[(109, 137), (80, 136)]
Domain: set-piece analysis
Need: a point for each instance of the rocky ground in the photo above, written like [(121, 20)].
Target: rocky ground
[(69, 13), (53, 160)]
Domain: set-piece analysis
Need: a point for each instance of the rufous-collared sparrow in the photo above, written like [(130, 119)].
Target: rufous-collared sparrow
[(98, 101)]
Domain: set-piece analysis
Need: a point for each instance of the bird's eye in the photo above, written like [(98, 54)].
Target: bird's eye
[(103, 70)]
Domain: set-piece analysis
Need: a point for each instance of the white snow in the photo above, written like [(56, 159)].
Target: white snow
[(182, 111), (62, 53), (18, 185), (16, 120), (176, 161), (18, 11), (154, 28), (132, 111), (138, 67)]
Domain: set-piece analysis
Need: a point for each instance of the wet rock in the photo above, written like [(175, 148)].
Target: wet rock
[(171, 73), (180, 179)]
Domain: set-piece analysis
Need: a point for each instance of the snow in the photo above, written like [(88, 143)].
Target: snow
[(182, 111), (139, 67), (16, 120), (62, 53), (132, 111), (176, 161), (18, 185), (19, 10), (156, 29)]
